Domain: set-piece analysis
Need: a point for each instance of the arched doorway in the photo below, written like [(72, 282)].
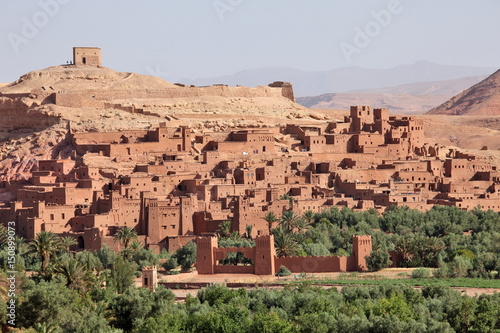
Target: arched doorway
[(81, 242)]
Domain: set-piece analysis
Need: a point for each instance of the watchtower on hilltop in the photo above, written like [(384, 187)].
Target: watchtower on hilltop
[(87, 56)]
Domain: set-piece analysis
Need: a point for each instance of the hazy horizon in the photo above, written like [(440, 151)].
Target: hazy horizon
[(176, 40)]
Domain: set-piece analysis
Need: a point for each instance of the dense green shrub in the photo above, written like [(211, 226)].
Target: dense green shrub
[(421, 273), (283, 271)]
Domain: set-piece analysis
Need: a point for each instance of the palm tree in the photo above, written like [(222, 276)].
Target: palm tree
[(67, 242), (284, 243), (289, 220), (136, 246), (45, 328), (74, 272), (301, 224), (125, 235), (308, 216), (45, 245), (224, 229), (270, 218)]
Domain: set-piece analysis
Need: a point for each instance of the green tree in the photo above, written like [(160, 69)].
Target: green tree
[(171, 263), (316, 249), (224, 229), (45, 302), (459, 267), (86, 320), (45, 245), (289, 220), (90, 261), (270, 218), (186, 256), (67, 242), (270, 322), (395, 305), (284, 243), (172, 320), (302, 224), (45, 328), (487, 315), (378, 260), (144, 257), (135, 305), (125, 235), (466, 314), (74, 273), (106, 256), (122, 274), (308, 217)]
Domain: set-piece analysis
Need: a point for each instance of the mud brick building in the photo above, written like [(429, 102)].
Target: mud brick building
[(183, 184)]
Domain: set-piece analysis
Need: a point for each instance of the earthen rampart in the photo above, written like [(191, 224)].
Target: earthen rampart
[(98, 98)]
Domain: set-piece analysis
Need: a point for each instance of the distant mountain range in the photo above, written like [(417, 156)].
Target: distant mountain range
[(345, 79), (482, 99), (438, 88), (413, 98)]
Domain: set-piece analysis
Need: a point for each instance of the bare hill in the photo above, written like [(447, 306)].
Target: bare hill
[(70, 78), (482, 98)]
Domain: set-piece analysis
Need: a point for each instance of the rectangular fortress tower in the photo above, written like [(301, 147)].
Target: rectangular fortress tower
[(87, 56)]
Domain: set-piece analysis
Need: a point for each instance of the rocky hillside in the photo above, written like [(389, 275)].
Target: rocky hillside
[(33, 126), (482, 99)]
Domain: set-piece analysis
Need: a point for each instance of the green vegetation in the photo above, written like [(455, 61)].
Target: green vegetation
[(458, 243), (94, 291), (355, 279), (283, 271)]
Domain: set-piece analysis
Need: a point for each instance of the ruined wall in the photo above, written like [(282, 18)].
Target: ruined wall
[(16, 116), (287, 90), (98, 98)]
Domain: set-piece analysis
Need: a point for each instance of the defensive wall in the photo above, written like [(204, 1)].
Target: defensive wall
[(99, 98), (208, 255)]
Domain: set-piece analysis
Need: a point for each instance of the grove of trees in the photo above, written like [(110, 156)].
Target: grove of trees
[(59, 290)]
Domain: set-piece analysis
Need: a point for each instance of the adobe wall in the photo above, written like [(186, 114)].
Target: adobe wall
[(15, 116), (312, 264), (208, 254), (98, 98), (266, 262)]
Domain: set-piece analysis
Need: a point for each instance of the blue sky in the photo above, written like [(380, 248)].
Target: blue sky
[(204, 38)]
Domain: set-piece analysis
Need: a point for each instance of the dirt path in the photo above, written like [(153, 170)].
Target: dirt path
[(194, 278)]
